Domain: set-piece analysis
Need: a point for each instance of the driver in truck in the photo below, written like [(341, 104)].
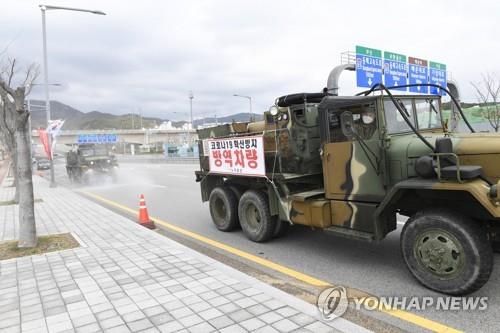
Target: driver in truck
[(365, 124)]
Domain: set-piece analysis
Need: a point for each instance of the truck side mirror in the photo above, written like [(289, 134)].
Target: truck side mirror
[(347, 124)]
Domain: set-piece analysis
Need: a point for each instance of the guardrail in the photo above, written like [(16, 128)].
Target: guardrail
[(122, 131), (155, 159)]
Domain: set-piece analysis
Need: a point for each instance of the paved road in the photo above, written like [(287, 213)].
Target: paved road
[(377, 269)]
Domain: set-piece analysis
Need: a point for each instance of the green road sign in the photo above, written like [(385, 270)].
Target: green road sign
[(368, 51)]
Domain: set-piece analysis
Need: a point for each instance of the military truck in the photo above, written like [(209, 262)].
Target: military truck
[(351, 165), (90, 161)]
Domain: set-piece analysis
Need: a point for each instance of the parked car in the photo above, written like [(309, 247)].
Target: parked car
[(43, 164)]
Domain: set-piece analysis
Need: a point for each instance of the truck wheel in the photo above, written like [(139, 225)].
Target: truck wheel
[(255, 217), (496, 246), (223, 208), (281, 228), (447, 252)]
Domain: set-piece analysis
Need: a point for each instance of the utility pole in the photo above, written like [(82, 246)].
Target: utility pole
[(47, 98), (140, 115), (191, 96)]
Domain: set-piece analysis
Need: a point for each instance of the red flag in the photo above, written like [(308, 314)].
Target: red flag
[(44, 139)]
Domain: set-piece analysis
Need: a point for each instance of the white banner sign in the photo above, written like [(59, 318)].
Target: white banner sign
[(238, 156)]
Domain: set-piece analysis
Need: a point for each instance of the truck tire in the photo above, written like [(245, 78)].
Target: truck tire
[(255, 217), (237, 190), (447, 252), (281, 228), (224, 208)]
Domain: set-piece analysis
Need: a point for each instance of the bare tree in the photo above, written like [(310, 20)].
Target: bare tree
[(488, 95), (14, 126)]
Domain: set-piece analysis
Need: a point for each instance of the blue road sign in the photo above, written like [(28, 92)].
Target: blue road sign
[(395, 70), (418, 73), (97, 138), (437, 75), (368, 66)]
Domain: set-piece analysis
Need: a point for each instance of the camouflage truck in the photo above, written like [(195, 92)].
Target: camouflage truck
[(90, 161), (351, 165)]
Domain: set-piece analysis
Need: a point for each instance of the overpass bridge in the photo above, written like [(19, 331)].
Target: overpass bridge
[(148, 136)]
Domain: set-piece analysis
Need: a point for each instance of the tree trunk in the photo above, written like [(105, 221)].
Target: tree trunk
[(14, 174), (27, 225)]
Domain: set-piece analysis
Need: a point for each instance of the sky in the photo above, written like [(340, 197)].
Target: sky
[(145, 56)]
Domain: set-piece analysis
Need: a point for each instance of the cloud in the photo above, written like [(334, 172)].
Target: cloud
[(149, 54)]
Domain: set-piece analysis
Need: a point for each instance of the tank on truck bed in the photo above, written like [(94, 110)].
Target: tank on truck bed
[(291, 140), (349, 165)]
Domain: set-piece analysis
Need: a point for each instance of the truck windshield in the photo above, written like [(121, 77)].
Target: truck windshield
[(100, 150), (86, 152), (428, 113), (394, 120)]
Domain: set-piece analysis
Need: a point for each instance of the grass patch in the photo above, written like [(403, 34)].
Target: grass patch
[(474, 115), (12, 202), (50, 243), (7, 203)]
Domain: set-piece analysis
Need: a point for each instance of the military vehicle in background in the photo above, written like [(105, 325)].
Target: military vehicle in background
[(90, 161), (350, 165)]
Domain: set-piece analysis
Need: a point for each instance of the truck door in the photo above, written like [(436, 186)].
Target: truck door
[(352, 164)]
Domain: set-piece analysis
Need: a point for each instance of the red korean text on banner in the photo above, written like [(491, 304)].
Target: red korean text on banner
[(238, 156)]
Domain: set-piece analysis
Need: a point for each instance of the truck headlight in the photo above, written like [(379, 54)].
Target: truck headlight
[(91, 162)]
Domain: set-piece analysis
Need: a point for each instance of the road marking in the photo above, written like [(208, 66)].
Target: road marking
[(406, 316)]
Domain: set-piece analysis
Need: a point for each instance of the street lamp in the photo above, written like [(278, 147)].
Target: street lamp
[(44, 8), (191, 96), (250, 101)]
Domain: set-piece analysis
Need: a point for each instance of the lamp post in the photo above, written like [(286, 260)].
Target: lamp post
[(250, 101), (191, 96), (44, 8)]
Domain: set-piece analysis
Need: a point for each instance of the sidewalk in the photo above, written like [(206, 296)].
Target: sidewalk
[(127, 278)]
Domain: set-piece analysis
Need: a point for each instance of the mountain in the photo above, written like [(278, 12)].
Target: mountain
[(77, 120)]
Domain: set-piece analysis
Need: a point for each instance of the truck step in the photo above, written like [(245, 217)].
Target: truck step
[(303, 196), (351, 234)]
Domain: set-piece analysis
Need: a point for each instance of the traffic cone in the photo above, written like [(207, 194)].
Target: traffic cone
[(144, 219)]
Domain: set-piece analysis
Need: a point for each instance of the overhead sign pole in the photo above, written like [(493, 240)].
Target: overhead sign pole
[(368, 66), (437, 75), (395, 70)]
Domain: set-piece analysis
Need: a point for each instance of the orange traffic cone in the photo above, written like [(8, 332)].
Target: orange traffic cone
[(144, 219)]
